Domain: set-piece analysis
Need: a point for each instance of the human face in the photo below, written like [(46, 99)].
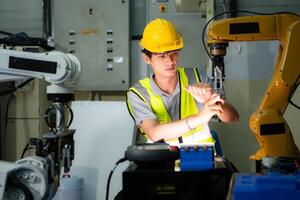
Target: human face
[(164, 64)]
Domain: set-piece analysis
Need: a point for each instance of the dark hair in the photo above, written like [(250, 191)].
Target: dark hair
[(147, 53)]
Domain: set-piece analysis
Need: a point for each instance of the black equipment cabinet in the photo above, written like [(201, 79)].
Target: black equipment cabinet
[(147, 184)]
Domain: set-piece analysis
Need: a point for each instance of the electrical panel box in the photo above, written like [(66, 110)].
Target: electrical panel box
[(189, 23), (97, 32), (190, 5)]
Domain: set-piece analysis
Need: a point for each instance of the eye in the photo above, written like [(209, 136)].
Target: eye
[(174, 54), (161, 56)]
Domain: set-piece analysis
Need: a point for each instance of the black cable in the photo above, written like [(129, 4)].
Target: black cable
[(5, 33), (29, 148), (47, 10), (71, 116), (293, 104), (3, 93), (110, 175), (295, 86), (256, 13), (22, 39), (24, 150), (5, 103), (218, 15), (24, 83), (289, 13), (229, 165)]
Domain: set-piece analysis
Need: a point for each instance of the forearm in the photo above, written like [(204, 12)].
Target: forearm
[(167, 131), (171, 130)]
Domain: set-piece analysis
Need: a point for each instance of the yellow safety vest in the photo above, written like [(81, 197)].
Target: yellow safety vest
[(187, 103)]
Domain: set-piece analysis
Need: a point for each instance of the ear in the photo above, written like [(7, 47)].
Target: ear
[(146, 58)]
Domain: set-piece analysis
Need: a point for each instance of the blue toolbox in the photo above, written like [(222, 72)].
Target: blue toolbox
[(196, 157), (273, 186)]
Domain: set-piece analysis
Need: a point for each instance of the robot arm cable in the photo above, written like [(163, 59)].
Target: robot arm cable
[(26, 148), (218, 15), (293, 90), (234, 11), (5, 33), (22, 39), (267, 123), (16, 87)]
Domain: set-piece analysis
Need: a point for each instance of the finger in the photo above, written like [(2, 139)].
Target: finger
[(208, 87), (217, 112), (216, 107), (190, 90), (209, 90), (222, 101), (214, 94), (213, 100), (194, 94), (197, 91), (208, 94)]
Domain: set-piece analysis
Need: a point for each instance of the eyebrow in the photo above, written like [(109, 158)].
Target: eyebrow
[(166, 52)]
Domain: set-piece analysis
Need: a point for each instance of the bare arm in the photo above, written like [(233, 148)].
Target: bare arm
[(202, 92), (175, 129), (156, 131)]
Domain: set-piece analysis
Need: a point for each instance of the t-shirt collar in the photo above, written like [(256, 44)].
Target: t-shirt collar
[(157, 91)]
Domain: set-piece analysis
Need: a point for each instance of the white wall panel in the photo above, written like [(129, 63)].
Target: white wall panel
[(104, 130)]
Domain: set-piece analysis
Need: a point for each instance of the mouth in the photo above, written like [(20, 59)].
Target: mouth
[(170, 68)]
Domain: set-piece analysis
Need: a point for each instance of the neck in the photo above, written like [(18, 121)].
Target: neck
[(166, 84)]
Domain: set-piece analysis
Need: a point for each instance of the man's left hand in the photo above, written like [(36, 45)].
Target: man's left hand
[(202, 92)]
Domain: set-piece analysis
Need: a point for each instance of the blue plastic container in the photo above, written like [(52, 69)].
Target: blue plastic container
[(196, 158), (273, 186)]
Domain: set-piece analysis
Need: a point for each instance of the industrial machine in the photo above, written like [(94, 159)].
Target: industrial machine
[(278, 155), (267, 123), (154, 173), (37, 177)]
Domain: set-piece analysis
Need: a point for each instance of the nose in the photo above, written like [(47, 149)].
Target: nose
[(171, 58)]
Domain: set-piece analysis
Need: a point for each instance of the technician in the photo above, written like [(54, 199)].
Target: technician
[(175, 103)]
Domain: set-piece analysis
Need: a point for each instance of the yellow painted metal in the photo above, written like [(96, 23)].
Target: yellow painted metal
[(286, 29), (220, 30)]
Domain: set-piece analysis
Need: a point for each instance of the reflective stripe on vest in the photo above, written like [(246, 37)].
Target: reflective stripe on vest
[(186, 101)]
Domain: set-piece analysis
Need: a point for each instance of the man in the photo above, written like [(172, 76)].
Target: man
[(174, 104)]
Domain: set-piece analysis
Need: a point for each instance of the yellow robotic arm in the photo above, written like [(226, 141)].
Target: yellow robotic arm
[(267, 123)]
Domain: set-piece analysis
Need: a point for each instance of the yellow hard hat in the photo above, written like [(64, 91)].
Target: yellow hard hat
[(160, 35)]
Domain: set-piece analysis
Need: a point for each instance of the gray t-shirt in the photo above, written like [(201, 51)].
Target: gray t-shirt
[(141, 110)]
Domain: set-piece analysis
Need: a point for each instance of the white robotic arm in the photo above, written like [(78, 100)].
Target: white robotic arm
[(37, 177), (54, 67), (25, 179)]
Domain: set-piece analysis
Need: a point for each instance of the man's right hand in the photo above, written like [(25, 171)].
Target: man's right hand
[(211, 107), (202, 92)]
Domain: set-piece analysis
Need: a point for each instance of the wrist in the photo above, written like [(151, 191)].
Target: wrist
[(187, 123)]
